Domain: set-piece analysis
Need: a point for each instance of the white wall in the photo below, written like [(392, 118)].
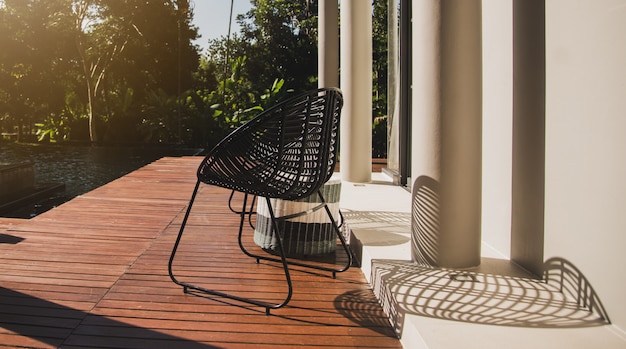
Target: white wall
[(585, 220), (497, 123), (585, 193)]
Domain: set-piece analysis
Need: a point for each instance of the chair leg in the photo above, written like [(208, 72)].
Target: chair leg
[(342, 239), (180, 235), (250, 213), (187, 286), (344, 244)]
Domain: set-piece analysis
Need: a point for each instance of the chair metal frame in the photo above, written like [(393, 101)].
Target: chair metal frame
[(286, 152)]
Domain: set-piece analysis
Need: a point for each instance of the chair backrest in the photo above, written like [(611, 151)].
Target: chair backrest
[(288, 151)]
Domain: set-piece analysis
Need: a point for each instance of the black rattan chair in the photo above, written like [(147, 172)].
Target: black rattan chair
[(287, 152)]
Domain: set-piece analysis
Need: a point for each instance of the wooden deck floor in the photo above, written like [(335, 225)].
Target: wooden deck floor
[(93, 273)]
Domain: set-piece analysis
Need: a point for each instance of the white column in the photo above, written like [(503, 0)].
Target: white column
[(356, 83), (328, 43), (447, 131)]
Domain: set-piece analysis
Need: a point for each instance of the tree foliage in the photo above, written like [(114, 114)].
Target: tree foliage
[(279, 40), (379, 78), (128, 71), (96, 61), (33, 68)]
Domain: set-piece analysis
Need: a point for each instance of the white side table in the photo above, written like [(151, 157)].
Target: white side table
[(304, 235)]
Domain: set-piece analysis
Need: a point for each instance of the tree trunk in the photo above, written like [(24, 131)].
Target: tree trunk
[(93, 134)]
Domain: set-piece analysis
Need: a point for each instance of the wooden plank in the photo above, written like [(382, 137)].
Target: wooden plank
[(92, 273)]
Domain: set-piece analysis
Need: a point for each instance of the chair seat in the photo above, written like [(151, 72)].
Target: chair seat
[(288, 151)]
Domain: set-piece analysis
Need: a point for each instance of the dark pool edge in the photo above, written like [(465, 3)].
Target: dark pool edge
[(40, 191)]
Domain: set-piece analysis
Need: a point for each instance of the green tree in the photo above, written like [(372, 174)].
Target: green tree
[(379, 78), (99, 44), (142, 45), (33, 61), (379, 49), (274, 54), (125, 70), (285, 42), (279, 39), (68, 59)]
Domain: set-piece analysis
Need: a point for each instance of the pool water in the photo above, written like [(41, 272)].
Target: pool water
[(80, 168)]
